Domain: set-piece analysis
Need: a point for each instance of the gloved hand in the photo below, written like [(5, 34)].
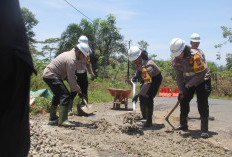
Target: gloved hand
[(73, 94), (135, 79), (135, 98), (81, 95), (93, 77)]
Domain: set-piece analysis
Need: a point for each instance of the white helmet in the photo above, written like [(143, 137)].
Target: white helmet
[(134, 53), (177, 46), (195, 37), (83, 39), (84, 48)]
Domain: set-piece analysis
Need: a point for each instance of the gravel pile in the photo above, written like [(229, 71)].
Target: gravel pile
[(44, 144)]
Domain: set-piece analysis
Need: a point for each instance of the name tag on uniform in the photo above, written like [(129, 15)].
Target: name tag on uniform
[(198, 64), (146, 76), (88, 60)]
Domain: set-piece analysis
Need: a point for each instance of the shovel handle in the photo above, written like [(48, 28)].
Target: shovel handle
[(85, 102), (173, 109), (134, 86)]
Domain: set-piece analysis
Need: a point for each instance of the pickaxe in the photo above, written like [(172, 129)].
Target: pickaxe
[(173, 109)]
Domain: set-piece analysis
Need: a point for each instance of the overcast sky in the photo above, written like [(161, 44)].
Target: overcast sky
[(156, 22)]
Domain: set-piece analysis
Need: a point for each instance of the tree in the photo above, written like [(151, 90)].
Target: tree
[(30, 22), (104, 40), (229, 61), (227, 34), (50, 47), (110, 40), (69, 38), (143, 45)]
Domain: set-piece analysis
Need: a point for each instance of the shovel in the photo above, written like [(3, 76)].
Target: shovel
[(85, 110), (134, 87)]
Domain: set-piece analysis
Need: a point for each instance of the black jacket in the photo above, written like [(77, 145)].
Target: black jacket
[(13, 37)]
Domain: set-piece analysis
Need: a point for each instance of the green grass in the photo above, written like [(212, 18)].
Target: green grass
[(41, 105), (220, 97)]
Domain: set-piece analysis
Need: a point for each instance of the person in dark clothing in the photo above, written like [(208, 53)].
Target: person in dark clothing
[(16, 68), (193, 75), (152, 78), (81, 72)]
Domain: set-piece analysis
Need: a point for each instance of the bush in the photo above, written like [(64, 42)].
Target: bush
[(41, 105)]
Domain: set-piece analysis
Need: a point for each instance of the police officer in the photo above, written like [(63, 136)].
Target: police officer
[(81, 73), (193, 75), (64, 66), (81, 76), (152, 78), (195, 42)]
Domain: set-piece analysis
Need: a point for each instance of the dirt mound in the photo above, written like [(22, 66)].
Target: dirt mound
[(101, 125), (131, 118), (131, 129)]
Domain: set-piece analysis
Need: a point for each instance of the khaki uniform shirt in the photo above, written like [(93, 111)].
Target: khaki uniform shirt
[(82, 65), (63, 66), (192, 70), (148, 70)]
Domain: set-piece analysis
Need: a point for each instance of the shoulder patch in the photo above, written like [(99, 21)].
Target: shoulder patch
[(198, 64), (146, 76)]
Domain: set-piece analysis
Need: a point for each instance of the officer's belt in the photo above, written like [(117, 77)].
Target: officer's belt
[(80, 71), (189, 74)]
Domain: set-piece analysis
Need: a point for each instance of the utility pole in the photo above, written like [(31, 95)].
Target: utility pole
[(128, 66)]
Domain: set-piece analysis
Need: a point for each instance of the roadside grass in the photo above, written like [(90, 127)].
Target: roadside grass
[(220, 97)]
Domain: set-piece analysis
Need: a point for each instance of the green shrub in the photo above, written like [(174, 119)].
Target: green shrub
[(41, 105)]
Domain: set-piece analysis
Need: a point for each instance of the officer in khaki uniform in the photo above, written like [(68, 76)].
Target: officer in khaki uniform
[(193, 75), (151, 80), (195, 42), (62, 67), (81, 74)]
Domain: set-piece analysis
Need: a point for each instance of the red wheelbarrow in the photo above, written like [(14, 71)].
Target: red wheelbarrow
[(120, 97)]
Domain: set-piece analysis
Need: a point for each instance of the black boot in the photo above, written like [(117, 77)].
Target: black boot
[(149, 113), (183, 124), (143, 111), (204, 127)]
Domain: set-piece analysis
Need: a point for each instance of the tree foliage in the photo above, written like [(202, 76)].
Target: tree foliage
[(229, 61), (50, 47), (143, 45), (104, 37), (30, 22), (227, 34)]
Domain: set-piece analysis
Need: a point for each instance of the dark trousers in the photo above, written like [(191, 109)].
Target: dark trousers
[(14, 111), (61, 94), (146, 103), (203, 91), (82, 81)]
